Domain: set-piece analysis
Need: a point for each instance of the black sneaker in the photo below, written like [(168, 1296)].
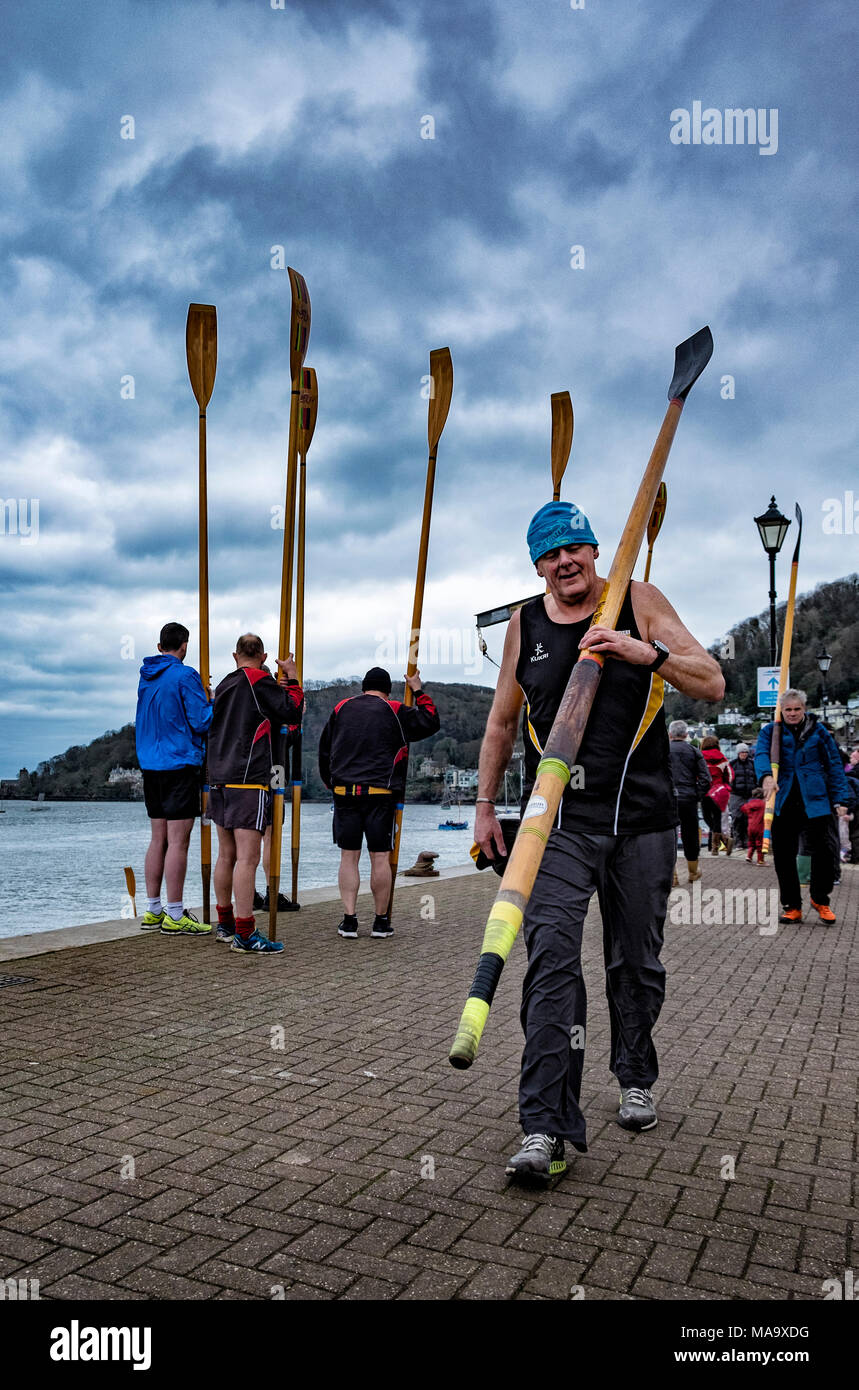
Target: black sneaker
[(382, 927), (283, 904), (348, 927), (259, 901), (224, 933), (637, 1111), (540, 1159)]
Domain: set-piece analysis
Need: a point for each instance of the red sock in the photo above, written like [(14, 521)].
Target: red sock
[(225, 916), (245, 927)]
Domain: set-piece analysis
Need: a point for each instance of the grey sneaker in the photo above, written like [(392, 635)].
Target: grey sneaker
[(637, 1110), (224, 933), (540, 1158)]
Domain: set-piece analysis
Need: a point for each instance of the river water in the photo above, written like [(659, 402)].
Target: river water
[(62, 862)]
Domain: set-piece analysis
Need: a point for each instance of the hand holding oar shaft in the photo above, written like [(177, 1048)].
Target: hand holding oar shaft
[(299, 335), (561, 748), (441, 391), (201, 348), (308, 401)]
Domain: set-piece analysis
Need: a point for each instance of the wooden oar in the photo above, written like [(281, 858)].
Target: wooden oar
[(562, 438), (654, 525), (562, 745), (299, 333), (441, 390), (308, 401), (131, 886), (201, 346), (783, 678)]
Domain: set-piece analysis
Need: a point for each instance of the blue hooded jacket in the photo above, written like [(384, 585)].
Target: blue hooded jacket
[(816, 764), (173, 715)]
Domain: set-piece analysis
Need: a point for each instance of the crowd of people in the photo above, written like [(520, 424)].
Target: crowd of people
[(815, 824), (615, 835), (235, 734)]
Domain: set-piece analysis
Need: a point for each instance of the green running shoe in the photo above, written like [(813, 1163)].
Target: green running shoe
[(187, 925), (151, 920)]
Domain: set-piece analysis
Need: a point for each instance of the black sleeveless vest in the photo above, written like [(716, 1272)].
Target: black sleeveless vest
[(624, 757)]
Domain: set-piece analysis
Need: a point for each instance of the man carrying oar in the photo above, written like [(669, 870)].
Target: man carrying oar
[(615, 834)]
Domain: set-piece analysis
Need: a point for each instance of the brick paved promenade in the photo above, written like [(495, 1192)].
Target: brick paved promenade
[(309, 1167)]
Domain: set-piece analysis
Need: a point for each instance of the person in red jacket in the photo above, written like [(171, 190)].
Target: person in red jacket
[(248, 704), (753, 810), (363, 756), (714, 803)]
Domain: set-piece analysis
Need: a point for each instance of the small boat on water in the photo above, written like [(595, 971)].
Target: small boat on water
[(450, 823)]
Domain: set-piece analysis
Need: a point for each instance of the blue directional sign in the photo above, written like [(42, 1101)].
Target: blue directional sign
[(768, 677)]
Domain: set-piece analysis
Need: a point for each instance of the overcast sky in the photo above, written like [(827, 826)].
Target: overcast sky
[(257, 128)]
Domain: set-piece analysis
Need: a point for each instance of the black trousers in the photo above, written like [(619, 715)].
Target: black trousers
[(631, 875), (786, 829), (689, 831), (712, 814)]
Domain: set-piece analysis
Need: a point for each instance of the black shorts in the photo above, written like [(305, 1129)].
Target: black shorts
[(172, 795), (239, 808), (356, 816)]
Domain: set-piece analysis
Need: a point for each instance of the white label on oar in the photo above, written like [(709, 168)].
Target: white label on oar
[(537, 806)]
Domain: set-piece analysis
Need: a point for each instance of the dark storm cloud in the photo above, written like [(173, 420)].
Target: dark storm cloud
[(257, 128)]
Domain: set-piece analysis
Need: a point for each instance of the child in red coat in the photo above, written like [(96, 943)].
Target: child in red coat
[(754, 810)]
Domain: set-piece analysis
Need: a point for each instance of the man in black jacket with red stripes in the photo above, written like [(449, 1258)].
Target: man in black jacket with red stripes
[(363, 756), (248, 704)]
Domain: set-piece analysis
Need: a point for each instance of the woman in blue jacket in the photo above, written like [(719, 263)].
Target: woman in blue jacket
[(811, 783)]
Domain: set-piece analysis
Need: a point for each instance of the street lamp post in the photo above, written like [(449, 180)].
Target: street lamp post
[(772, 528), (824, 661)]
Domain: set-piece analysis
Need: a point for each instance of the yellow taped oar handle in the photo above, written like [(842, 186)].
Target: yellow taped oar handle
[(505, 917)]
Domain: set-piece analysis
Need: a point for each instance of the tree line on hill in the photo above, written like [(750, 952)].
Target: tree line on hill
[(827, 617), (81, 773)]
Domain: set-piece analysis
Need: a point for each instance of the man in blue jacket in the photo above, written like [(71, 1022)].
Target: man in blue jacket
[(811, 784), (173, 718)]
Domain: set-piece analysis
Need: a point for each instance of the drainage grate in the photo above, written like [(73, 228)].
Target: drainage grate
[(16, 980)]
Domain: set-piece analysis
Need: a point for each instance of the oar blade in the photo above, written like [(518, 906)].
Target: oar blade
[(201, 347), (130, 882), (657, 516), (308, 401), (441, 390), (690, 359), (299, 327), (562, 437), (795, 560)]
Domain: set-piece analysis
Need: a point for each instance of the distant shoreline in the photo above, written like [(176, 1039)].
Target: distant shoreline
[(138, 801)]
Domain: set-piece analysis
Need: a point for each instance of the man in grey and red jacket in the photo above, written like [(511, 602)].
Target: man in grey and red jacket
[(248, 704), (363, 757)]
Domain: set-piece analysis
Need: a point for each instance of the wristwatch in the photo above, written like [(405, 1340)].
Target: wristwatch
[(662, 654)]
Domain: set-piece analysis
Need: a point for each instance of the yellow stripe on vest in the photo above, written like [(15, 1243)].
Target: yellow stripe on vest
[(651, 709), (371, 791)]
